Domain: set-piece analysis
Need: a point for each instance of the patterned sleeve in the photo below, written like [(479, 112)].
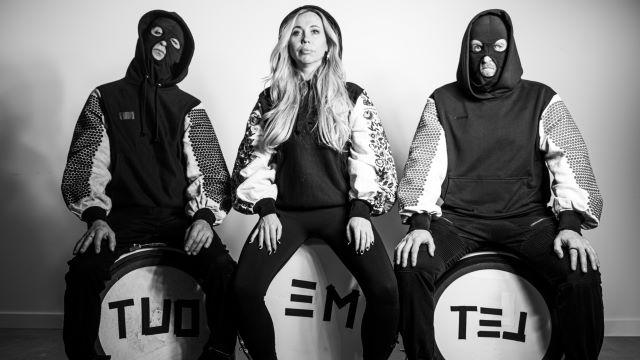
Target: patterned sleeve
[(209, 182), (574, 185), (426, 167), (86, 173), (372, 170), (253, 175)]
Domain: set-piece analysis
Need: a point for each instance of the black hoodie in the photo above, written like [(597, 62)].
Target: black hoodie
[(145, 124), (495, 167)]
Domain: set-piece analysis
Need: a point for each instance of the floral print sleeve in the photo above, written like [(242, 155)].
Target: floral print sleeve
[(253, 175), (372, 170)]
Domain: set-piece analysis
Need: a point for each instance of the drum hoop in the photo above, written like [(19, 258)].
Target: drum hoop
[(138, 248), (501, 261), (150, 255), (490, 252), (510, 263)]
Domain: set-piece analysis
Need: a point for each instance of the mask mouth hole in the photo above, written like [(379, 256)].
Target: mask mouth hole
[(488, 67), (158, 51)]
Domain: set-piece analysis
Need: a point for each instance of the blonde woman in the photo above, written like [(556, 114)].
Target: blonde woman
[(314, 163)]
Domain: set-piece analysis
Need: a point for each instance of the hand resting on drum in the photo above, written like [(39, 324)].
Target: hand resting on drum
[(360, 232), (411, 244), (199, 234), (579, 248), (95, 234), (268, 231)]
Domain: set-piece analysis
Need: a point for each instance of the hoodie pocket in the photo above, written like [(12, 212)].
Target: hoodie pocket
[(486, 196)]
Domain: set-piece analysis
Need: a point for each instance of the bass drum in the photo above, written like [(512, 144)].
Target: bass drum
[(316, 306), (152, 308), (490, 305)]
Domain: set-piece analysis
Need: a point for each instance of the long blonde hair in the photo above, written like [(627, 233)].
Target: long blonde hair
[(329, 82)]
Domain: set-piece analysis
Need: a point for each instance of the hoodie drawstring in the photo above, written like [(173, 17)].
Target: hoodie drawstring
[(143, 104), (156, 136)]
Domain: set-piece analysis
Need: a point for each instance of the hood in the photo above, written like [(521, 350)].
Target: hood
[(140, 67), (511, 72)]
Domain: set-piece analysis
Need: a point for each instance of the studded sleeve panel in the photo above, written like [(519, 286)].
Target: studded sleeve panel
[(574, 185), (426, 167), (209, 182), (86, 173), (253, 176), (372, 170)]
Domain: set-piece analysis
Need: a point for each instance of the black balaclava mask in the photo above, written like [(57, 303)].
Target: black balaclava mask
[(487, 29), (163, 45)]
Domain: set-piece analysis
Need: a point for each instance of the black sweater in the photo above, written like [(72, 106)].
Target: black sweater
[(309, 174)]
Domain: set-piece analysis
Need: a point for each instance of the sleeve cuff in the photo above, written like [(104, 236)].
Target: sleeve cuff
[(570, 220), (94, 213), (205, 214), (264, 207), (420, 221), (360, 208)]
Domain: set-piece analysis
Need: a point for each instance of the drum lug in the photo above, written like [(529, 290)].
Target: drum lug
[(135, 247)]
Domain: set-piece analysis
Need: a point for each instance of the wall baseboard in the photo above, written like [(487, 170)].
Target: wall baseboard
[(622, 327), (53, 320), (31, 320)]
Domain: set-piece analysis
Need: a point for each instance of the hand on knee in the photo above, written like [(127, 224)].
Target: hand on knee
[(409, 247)]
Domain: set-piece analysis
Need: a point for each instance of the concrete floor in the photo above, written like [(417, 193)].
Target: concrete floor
[(35, 344)]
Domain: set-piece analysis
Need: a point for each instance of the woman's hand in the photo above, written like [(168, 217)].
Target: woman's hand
[(359, 231), (97, 232), (268, 231)]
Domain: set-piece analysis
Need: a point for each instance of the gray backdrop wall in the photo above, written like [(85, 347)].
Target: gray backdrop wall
[(55, 53)]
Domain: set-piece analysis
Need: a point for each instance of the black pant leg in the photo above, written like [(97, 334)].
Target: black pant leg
[(256, 270), (374, 273), (85, 281), (86, 278), (578, 295), (417, 287), (89, 272), (215, 270)]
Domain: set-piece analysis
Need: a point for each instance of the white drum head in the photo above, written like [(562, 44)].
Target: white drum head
[(303, 302), (491, 313), (153, 312)]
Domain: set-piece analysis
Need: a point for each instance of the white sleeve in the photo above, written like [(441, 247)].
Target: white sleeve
[(253, 174), (209, 182), (574, 185), (86, 173), (426, 167), (372, 170)]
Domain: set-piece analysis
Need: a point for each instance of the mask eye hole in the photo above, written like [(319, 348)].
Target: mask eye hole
[(156, 31), (175, 43), (476, 46), (500, 45)]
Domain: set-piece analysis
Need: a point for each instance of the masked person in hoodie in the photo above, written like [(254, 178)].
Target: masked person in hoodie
[(145, 166), (314, 163), (478, 172)]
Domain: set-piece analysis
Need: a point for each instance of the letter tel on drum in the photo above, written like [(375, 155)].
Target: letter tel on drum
[(507, 335)]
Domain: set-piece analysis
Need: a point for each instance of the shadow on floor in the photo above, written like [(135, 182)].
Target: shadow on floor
[(35, 344)]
